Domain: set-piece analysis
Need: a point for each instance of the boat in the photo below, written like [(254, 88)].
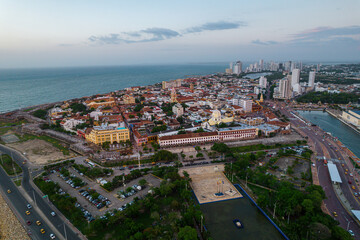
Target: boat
[(237, 223)]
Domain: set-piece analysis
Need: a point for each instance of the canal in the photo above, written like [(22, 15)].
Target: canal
[(328, 123), (220, 215)]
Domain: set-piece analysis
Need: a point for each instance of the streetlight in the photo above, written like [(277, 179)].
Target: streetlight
[(65, 232)]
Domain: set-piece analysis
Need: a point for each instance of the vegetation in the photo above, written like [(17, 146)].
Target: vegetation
[(164, 155), (56, 127), (259, 147), (58, 165), (119, 180), (65, 203), (93, 172), (138, 107), (296, 210), (53, 142), (159, 128), (41, 113), (78, 107), (9, 165), (169, 213), (325, 97)]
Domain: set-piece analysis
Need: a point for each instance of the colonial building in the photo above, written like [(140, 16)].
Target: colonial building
[(237, 133), (352, 116), (187, 139), (101, 134)]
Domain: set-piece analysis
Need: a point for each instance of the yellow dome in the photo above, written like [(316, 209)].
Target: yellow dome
[(216, 114)]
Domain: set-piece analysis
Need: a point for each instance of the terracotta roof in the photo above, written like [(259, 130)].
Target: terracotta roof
[(189, 135), (278, 123)]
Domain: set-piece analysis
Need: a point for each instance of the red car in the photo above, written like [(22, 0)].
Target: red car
[(349, 182), (28, 223)]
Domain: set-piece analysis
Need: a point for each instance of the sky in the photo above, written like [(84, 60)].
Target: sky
[(50, 33)]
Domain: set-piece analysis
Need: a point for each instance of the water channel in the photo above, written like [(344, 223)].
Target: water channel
[(328, 123), (220, 215)]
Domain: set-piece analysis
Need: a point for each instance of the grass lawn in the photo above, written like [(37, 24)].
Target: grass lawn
[(53, 141), (9, 165), (12, 124), (4, 130), (18, 182)]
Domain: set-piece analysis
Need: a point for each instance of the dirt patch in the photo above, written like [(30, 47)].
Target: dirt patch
[(10, 227), (39, 151), (206, 181)]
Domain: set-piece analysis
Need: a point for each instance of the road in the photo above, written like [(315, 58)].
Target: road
[(42, 208), (324, 147)]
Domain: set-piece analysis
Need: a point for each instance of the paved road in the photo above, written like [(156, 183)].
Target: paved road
[(42, 204), (323, 142), (19, 203)]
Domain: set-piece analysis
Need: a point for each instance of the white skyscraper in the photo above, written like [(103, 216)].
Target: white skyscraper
[(256, 66), (295, 81), (262, 82), (311, 79), (238, 67), (261, 63), (295, 77), (246, 105), (284, 88), (293, 66)]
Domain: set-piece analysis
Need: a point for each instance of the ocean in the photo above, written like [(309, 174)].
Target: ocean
[(21, 88)]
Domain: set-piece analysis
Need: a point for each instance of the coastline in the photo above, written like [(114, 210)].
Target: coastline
[(341, 120)]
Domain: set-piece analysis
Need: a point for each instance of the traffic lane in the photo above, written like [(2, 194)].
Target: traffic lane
[(20, 204), (345, 186), (57, 222), (43, 204), (330, 203)]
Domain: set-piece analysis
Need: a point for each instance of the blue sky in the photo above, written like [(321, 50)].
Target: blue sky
[(49, 33)]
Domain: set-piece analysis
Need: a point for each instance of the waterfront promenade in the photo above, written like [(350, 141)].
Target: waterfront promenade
[(323, 145)]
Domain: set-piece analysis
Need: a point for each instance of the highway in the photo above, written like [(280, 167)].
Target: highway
[(42, 207), (324, 147)]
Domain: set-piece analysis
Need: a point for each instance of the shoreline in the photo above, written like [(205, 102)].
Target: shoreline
[(343, 121), (334, 115)]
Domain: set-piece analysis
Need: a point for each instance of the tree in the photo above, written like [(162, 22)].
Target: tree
[(164, 155), (220, 147), (187, 233), (155, 215), (40, 113), (339, 233), (199, 155), (197, 148), (106, 145), (142, 182), (308, 205)]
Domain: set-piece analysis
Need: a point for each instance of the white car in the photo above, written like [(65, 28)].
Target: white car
[(351, 233), (52, 236), (53, 214)]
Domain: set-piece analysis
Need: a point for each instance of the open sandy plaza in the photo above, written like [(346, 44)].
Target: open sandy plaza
[(206, 181)]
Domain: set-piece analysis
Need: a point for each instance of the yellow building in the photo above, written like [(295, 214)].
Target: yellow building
[(101, 102), (99, 135), (352, 116)]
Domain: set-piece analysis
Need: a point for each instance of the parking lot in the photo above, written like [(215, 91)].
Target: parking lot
[(93, 199)]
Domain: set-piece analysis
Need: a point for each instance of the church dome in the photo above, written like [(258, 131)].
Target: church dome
[(216, 114)]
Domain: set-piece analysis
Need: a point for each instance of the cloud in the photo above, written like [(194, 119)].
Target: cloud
[(327, 34), (216, 26), (146, 35), (159, 34), (258, 42)]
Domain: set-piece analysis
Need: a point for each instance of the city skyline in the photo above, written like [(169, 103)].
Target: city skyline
[(49, 34)]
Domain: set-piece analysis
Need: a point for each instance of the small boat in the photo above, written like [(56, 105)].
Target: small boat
[(237, 223)]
